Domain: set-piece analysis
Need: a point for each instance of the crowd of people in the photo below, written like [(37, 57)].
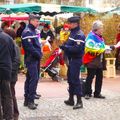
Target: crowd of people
[(77, 49)]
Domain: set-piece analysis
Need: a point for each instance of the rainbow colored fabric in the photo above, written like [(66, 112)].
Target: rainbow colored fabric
[(94, 46)]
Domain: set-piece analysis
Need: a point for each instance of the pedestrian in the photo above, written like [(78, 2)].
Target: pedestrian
[(94, 60), (46, 31), (64, 33), (118, 49), (20, 29), (7, 56), (4, 25), (15, 69), (74, 49), (32, 48)]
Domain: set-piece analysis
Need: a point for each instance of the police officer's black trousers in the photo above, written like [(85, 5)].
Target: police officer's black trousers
[(38, 68), (91, 73), (73, 77), (32, 78), (6, 102)]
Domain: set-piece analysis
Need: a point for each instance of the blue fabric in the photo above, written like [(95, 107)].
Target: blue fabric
[(31, 44), (33, 54), (73, 77), (75, 49), (32, 78)]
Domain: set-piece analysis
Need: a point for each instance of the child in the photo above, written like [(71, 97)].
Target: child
[(64, 34)]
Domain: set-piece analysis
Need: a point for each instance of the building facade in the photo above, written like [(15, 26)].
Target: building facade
[(65, 2), (101, 5)]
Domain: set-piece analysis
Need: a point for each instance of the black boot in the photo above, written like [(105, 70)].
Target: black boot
[(26, 102), (37, 96), (32, 105), (70, 101), (79, 103)]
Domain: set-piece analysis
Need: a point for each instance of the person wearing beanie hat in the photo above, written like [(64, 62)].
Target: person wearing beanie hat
[(66, 26), (33, 54), (74, 50)]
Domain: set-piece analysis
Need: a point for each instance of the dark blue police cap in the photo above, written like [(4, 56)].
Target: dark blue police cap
[(33, 16), (74, 19)]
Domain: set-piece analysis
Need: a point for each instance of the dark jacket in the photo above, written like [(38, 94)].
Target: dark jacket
[(98, 62), (7, 55), (31, 45), (44, 35), (15, 64), (19, 31)]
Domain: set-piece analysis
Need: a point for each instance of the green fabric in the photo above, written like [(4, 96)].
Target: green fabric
[(33, 7), (76, 9)]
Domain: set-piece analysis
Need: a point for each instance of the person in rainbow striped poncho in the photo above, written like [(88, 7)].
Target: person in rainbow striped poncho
[(93, 59)]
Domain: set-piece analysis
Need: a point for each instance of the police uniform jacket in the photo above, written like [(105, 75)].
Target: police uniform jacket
[(31, 44), (74, 47)]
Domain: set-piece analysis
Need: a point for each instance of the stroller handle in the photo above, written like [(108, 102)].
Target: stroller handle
[(59, 51)]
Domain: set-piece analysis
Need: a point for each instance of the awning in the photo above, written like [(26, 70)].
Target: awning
[(115, 10), (49, 9), (43, 9), (53, 9), (25, 8), (76, 9), (13, 17)]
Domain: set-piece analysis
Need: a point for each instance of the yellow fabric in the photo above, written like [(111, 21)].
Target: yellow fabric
[(64, 35)]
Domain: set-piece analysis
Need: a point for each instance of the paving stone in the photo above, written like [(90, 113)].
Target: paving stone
[(45, 118), (55, 109)]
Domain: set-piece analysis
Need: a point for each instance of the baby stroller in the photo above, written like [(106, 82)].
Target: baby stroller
[(51, 63)]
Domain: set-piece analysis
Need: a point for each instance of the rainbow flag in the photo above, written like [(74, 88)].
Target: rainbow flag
[(94, 46)]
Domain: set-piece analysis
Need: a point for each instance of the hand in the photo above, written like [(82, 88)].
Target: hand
[(112, 47)]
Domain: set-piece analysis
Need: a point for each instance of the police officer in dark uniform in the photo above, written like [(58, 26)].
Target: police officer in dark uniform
[(74, 49), (32, 47)]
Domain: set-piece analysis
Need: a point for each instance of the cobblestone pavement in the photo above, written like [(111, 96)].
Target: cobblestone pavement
[(53, 108)]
